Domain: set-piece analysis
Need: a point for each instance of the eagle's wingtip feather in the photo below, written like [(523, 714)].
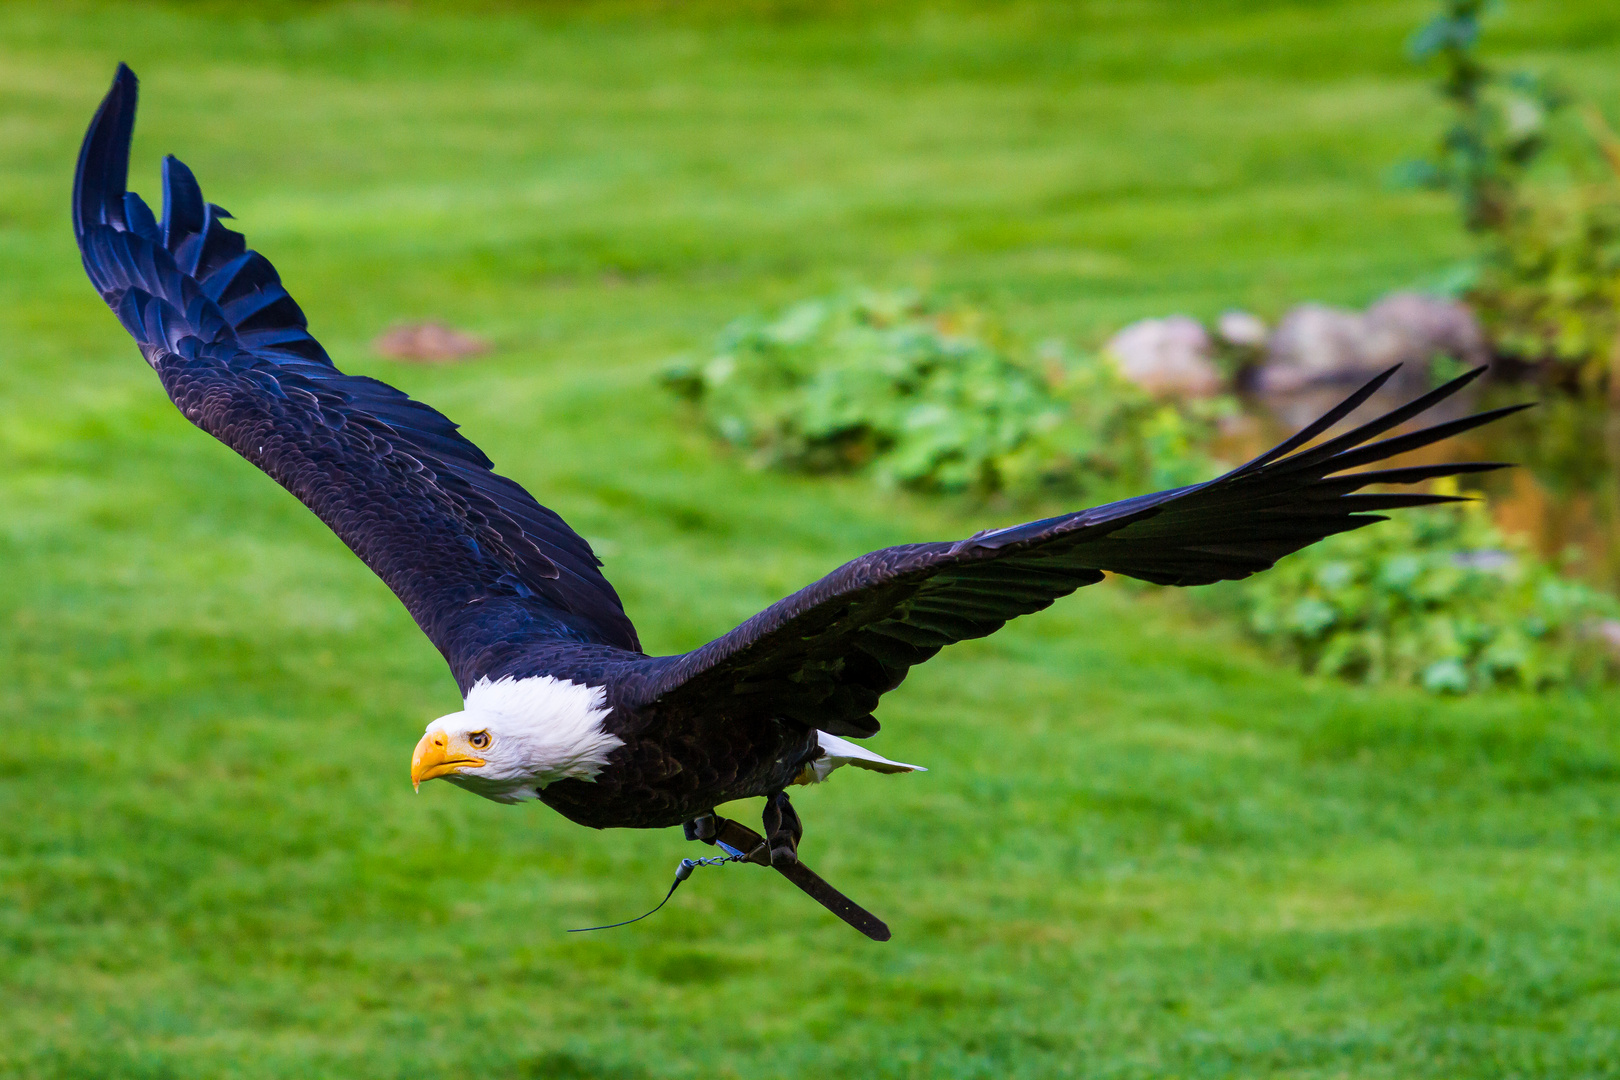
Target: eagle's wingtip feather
[(103, 168)]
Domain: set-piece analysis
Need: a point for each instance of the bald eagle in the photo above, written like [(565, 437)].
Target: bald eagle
[(560, 702)]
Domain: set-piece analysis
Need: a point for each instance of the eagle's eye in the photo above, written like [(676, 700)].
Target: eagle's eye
[(479, 740)]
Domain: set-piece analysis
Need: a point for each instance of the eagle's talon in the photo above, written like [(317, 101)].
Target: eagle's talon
[(702, 827), (783, 829)]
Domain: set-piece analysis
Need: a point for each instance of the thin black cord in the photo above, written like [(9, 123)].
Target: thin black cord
[(682, 872)]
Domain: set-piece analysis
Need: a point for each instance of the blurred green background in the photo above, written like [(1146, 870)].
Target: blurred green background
[(1144, 849)]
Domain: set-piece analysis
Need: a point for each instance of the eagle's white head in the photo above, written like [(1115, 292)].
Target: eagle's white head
[(515, 736)]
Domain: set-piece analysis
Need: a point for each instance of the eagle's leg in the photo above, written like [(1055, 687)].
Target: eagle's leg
[(783, 829)]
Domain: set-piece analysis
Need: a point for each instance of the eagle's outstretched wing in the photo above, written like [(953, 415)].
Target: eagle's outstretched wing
[(476, 560), (823, 656)]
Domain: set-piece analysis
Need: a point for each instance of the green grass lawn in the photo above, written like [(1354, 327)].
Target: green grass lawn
[(1144, 849)]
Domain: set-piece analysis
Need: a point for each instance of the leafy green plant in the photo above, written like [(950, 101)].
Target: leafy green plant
[(1499, 123), (1438, 597), (1550, 288), (934, 397), (1546, 282)]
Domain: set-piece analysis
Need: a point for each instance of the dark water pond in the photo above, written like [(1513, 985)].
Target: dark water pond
[(1565, 496)]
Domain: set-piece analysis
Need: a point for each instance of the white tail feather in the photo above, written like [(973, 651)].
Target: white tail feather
[(836, 752)]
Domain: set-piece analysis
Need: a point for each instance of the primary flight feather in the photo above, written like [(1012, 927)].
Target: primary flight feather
[(560, 702)]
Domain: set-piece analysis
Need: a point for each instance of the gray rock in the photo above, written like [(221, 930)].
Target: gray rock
[(1319, 353), (1410, 328), (1241, 330), (1314, 344), (1167, 357)]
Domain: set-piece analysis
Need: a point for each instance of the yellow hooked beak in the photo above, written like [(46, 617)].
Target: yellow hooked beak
[(435, 758)]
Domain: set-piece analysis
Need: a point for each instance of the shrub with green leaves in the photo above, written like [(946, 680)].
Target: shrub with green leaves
[(1541, 195), (1500, 123), (1437, 597), (1549, 289), (935, 398)]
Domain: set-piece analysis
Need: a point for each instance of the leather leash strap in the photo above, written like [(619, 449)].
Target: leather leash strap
[(740, 837)]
